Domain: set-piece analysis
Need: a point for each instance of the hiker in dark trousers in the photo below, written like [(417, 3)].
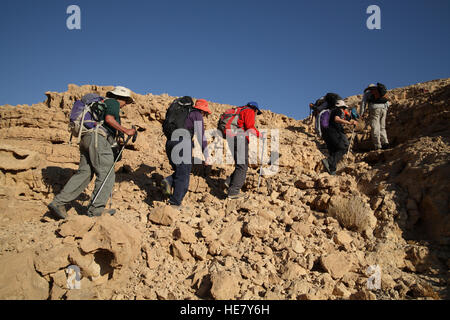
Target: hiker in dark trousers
[(238, 144), (378, 106), (179, 180), (96, 157), (335, 138)]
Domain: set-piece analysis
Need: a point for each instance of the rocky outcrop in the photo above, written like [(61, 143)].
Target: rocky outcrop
[(302, 235)]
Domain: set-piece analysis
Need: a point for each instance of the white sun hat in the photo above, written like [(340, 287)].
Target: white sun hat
[(122, 92), (341, 103)]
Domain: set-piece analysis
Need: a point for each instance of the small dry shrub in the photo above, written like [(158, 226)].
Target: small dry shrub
[(353, 214)]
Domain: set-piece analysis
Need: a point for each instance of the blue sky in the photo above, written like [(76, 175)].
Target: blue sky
[(283, 54)]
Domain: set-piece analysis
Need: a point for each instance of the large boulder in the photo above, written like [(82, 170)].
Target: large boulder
[(112, 235)]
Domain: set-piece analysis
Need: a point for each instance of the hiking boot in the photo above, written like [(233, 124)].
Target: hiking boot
[(58, 212), (167, 188), (326, 165), (104, 212), (237, 196), (109, 211), (385, 146)]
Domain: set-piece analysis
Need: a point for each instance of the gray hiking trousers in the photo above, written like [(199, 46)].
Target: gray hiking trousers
[(377, 118), (239, 149), (96, 161)]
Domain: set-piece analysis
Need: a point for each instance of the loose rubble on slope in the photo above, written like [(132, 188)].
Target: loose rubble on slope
[(303, 235)]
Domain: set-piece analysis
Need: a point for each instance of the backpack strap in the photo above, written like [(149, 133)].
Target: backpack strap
[(82, 123), (237, 115)]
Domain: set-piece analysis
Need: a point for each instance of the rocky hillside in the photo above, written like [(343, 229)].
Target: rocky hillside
[(302, 235)]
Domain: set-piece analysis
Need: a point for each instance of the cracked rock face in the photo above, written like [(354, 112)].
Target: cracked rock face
[(302, 235)]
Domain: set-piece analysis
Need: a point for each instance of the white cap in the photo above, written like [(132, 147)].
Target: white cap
[(371, 85), (122, 92)]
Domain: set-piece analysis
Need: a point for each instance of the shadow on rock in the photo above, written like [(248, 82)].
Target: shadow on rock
[(140, 177)]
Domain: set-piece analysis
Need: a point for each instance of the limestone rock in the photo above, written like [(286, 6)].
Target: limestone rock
[(51, 261), (343, 238), (112, 235), (17, 159), (336, 264), (19, 279), (75, 225), (232, 234), (293, 271), (225, 285), (185, 233), (164, 215), (180, 251), (301, 228), (199, 251), (257, 227)]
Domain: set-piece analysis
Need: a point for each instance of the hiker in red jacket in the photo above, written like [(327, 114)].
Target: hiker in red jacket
[(239, 148)]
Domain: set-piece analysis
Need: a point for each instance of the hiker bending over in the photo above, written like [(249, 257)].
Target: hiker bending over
[(179, 180), (96, 157), (238, 143), (375, 97), (334, 136)]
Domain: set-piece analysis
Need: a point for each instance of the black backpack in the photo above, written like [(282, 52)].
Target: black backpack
[(378, 93), (176, 115), (332, 99)]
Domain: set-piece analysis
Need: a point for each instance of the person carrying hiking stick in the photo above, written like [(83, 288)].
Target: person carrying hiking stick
[(96, 157), (334, 136), (237, 132)]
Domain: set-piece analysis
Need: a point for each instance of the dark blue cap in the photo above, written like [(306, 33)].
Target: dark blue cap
[(254, 105)]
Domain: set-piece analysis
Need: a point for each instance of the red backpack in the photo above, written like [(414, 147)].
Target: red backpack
[(228, 121)]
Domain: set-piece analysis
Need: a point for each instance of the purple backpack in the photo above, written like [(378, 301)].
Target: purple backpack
[(323, 121), (80, 108)]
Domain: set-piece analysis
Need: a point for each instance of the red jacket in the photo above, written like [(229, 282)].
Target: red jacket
[(247, 122)]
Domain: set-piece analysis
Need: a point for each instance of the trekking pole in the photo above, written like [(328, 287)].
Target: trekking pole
[(262, 162), (350, 144), (112, 168)]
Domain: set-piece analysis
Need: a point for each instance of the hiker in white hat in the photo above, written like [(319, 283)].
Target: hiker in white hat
[(97, 157), (375, 98), (334, 136)]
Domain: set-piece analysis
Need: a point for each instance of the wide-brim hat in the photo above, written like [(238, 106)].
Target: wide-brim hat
[(255, 106), (341, 104), (121, 92), (202, 105)]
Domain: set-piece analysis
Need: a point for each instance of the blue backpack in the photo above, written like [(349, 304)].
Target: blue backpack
[(87, 115)]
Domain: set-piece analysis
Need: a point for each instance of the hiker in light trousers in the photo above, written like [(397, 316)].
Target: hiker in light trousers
[(96, 157), (378, 107)]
